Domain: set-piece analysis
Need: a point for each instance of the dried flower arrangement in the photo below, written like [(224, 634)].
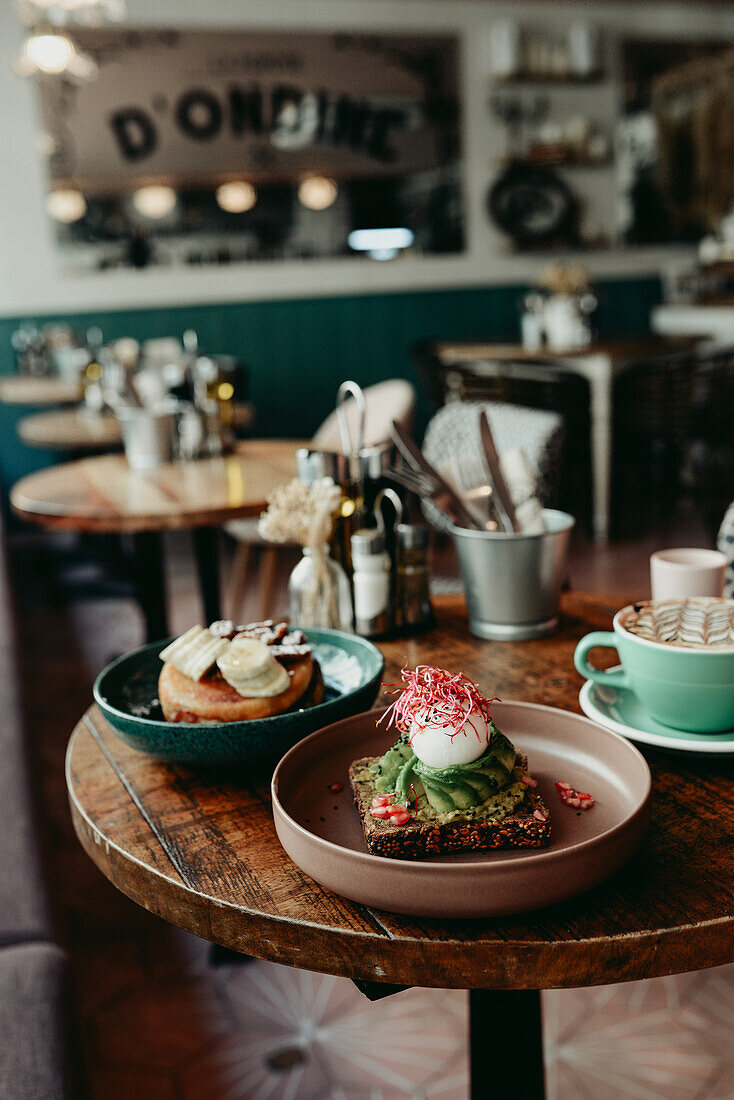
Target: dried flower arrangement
[(566, 280), (303, 514)]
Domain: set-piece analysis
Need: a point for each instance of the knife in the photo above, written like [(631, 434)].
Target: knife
[(503, 497)]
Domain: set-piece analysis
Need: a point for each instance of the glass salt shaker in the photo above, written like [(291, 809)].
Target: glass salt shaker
[(371, 581)]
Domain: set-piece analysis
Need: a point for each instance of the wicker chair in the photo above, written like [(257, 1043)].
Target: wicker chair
[(673, 420)]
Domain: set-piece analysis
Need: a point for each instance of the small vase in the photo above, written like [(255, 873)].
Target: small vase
[(319, 593)]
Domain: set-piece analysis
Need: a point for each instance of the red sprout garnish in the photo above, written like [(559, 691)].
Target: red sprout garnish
[(435, 697)]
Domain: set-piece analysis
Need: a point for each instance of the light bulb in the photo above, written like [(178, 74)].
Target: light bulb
[(236, 197), (317, 192), (66, 205), (49, 53), (154, 201)]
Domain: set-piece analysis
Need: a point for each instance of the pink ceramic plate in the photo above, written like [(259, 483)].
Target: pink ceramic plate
[(321, 831)]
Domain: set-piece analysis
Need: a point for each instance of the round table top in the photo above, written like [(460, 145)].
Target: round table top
[(201, 851), (102, 494), (25, 389), (80, 429)]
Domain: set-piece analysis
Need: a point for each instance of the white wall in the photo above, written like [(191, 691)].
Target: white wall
[(30, 282)]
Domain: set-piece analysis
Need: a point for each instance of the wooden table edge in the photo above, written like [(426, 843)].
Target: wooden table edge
[(444, 964), (131, 525)]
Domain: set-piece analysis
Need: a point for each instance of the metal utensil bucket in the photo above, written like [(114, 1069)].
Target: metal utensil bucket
[(513, 582)]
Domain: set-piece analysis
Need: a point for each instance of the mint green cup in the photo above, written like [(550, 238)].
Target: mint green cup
[(687, 689)]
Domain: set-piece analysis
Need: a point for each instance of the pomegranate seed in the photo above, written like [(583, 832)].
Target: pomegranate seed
[(539, 815), (380, 811), (336, 787), (381, 800), (529, 781), (400, 818), (579, 800)]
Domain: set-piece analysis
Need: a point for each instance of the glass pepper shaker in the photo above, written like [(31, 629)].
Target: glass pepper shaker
[(413, 601)]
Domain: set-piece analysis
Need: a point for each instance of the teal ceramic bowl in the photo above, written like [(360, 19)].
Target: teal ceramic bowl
[(127, 694)]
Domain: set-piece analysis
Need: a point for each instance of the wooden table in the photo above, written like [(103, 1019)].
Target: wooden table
[(202, 853), (24, 389), (599, 364), (74, 429), (102, 495), (710, 320), (78, 429)]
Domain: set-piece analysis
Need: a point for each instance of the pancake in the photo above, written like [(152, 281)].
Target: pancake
[(214, 700)]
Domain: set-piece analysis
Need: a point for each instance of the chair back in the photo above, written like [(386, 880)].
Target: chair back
[(385, 402)]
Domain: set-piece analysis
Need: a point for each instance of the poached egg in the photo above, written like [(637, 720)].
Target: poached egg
[(442, 746)]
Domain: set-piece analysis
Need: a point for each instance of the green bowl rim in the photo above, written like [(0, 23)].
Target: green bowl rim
[(162, 724)]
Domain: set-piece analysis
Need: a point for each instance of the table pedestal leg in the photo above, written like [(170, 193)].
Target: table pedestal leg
[(506, 1044), (206, 549), (150, 583)]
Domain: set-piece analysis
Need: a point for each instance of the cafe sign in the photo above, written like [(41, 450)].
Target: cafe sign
[(196, 107)]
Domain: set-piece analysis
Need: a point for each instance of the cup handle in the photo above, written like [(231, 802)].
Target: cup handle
[(607, 640)]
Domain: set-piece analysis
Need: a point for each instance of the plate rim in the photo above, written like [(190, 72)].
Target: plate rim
[(545, 855), (162, 724), (644, 737)]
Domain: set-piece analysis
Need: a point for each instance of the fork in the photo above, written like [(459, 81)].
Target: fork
[(470, 481)]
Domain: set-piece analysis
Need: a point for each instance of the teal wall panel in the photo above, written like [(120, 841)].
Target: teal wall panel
[(300, 350)]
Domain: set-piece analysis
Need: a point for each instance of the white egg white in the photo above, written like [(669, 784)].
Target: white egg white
[(435, 746)]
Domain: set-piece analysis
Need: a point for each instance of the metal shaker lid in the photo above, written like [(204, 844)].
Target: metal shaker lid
[(412, 536), (368, 540), (312, 464)]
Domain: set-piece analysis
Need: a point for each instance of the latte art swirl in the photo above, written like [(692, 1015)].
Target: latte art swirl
[(695, 623)]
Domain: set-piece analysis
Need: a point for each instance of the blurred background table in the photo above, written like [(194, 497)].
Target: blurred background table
[(74, 429), (102, 495), (79, 429), (19, 389)]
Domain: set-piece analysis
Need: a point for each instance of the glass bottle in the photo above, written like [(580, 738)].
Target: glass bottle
[(318, 591)]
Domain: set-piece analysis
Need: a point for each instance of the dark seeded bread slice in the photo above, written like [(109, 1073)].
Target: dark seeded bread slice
[(520, 829)]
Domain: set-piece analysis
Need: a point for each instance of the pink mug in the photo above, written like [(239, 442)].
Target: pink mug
[(676, 574)]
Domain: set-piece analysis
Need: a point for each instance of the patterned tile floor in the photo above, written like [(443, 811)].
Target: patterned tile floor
[(161, 1020), (254, 1031)]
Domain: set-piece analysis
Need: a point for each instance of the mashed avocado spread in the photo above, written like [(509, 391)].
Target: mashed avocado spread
[(489, 788)]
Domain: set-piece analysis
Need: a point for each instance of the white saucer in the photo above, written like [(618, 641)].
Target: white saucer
[(619, 710)]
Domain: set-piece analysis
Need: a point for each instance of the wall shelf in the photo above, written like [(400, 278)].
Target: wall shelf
[(553, 162), (550, 79)]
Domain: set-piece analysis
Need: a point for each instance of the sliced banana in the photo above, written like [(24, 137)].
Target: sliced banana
[(195, 652), (251, 669)]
